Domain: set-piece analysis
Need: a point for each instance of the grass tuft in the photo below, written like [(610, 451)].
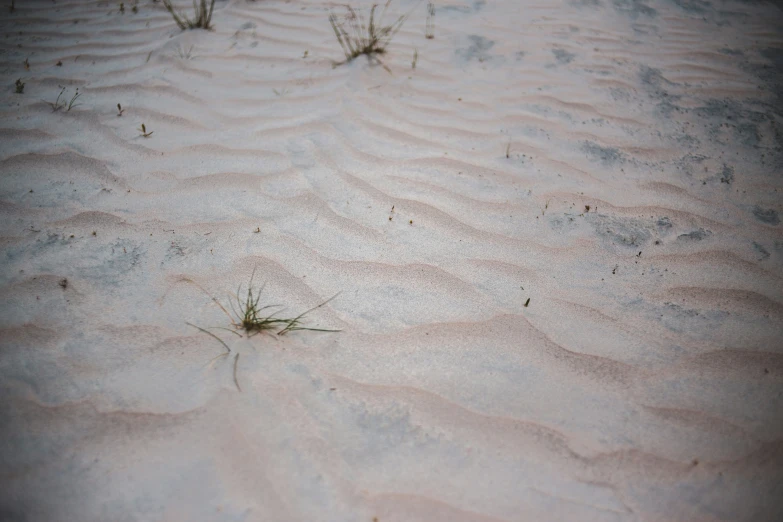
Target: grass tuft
[(252, 318), (59, 104), (358, 38), (201, 20)]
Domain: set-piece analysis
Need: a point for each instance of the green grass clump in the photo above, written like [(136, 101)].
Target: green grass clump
[(201, 20), (253, 318), (358, 38)]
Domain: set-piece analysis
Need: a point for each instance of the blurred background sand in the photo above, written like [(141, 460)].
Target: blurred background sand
[(617, 162)]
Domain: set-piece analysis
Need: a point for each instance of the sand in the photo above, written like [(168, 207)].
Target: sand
[(616, 163)]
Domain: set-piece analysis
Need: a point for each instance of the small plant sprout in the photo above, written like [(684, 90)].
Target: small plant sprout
[(307, 51), (429, 30), (26, 64), (358, 38), (202, 15), (120, 110), (415, 58), (143, 130), (72, 104), (19, 86), (508, 150), (12, 7), (56, 106), (122, 8)]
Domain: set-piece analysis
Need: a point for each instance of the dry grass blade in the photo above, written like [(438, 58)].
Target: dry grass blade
[(228, 350), (357, 38), (293, 324), (236, 381), (201, 20)]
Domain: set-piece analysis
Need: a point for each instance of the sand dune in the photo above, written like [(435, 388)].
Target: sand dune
[(556, 242)]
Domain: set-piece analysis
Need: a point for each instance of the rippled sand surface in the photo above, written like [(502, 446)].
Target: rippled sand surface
[(615, 162)]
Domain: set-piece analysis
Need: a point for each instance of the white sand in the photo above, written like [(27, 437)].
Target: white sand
[(643, 382)]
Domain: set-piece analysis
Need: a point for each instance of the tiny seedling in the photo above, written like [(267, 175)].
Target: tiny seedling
[(415, 58), (358, 38), (26, 64), (143, 130), (120, 110), (429, 30), (59, 103), (59, 63), (72, 104), (135, 9), (56, 106), (12, 7), (122, 8), (305, 53), (19, 86), (527, 302), (202, 15), (508, 150)]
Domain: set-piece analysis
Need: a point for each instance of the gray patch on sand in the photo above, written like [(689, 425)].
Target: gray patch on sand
[(761, 251), (477, 50), (727, 174), (562, 223), (562, 56), (770, 71), (748, 134), (463, 9), (743, 121), (608, 155), (693, 6), (696, 235), (654, 83), (695, 320), (664, 224), (586, 3), (731, 52), (767, 216), (620, 94), (626, 233), (634, 8)]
